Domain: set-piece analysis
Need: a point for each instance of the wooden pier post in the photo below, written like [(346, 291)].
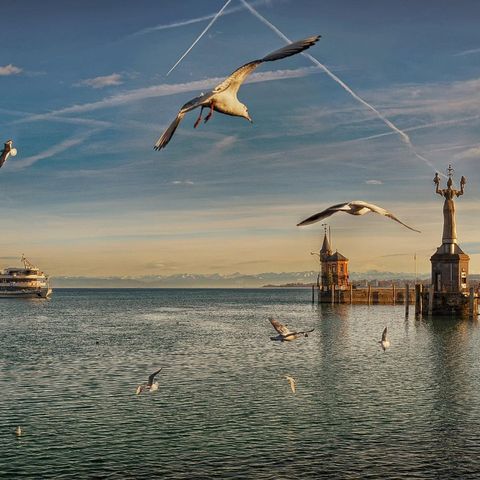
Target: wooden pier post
[(407, 299), (471, 303), (369, 293), (351, 294), (332, 291), (393, 292), (418, 300), (313, 294), (430, 299)]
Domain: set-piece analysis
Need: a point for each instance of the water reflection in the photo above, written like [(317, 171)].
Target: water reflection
[(224, 407), (451, 389)]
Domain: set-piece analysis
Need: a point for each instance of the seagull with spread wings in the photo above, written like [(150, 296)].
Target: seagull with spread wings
[(150, 386), (7, 151), (223, 98), (356, 207), (384, 342), (284, 333)]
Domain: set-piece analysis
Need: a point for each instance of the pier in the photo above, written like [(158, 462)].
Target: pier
[(448, 293)]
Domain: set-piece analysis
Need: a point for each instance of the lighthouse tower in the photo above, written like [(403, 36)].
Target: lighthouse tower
[(334, 266)]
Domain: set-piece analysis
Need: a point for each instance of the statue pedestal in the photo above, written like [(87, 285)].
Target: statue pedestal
[(449, 269)]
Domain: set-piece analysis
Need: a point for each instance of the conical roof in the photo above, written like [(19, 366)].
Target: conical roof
[(326, 249)]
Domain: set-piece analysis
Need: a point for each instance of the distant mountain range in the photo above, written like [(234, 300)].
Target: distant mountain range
[(234, 280)]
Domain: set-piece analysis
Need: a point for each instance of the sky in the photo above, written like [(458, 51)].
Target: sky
[(85, 95)]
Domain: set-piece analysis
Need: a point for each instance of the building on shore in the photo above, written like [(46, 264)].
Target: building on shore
[(334, 267), (335, 285)]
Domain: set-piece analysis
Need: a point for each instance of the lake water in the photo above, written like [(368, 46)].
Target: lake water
[(69, 368)]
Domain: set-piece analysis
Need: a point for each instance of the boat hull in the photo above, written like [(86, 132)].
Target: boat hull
[(26, 293)]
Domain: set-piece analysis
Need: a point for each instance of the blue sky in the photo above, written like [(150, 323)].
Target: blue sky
[(85, 96)]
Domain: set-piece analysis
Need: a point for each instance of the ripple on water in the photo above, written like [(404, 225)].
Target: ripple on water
[(70, 366)]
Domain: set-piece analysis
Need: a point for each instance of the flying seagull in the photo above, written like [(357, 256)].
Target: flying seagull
[(150, 386), (292, 382), (18, 431), (384, 342), (223, 98), (284, 334), (7, 151), (356, 207)]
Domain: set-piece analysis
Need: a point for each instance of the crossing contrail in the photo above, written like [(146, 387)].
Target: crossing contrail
[(392, 126), (200, 36)]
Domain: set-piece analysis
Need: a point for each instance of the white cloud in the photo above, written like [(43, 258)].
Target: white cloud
[(182, 182), (9, 70), (191, 21), (467, 52), (469, 154), (373, 182), (168, 89), (101, 82), (53, 150), (223, 144)]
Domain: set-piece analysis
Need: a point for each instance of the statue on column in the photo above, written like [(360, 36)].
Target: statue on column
[(7, 151), (449, 193)]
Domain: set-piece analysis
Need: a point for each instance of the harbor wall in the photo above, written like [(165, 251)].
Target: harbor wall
[(367, 295)]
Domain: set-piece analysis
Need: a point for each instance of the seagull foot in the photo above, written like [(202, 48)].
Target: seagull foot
[(207, 118), (197, 122)]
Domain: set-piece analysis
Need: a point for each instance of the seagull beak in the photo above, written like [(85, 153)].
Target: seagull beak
[(247, 116)]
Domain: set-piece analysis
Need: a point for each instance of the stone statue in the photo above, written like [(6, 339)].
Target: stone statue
[(449, 225)]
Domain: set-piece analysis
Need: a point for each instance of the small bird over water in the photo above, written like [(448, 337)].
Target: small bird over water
[(356, 207), (150, 386), (292, 382), (18, 431), (384, 342), (7, 151), (284, 333), (223, 98)]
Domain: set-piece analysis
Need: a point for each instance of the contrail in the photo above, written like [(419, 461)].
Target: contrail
[(385, 120), (200, 36)]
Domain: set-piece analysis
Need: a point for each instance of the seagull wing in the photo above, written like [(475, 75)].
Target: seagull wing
[(168, 133), (306, 331), (279, 327), (292, 382), (345, 207), (381, 211), (235, 80), (152, 377), (384, 334), (5, 153)]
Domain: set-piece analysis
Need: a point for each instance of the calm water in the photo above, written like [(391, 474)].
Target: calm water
[(69, 368)]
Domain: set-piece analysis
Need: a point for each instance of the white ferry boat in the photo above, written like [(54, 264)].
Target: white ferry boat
[(27, 282)]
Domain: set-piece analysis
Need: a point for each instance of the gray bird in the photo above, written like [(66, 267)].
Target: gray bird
[(292, 382), (284, 333), (223, 98), (150, 386), (356, 207), (384, 342)]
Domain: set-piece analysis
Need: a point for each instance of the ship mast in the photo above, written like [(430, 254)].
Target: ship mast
[(26, 263)]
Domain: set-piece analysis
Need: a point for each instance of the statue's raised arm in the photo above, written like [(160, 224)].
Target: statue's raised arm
[(436, 181), (463, 181)]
